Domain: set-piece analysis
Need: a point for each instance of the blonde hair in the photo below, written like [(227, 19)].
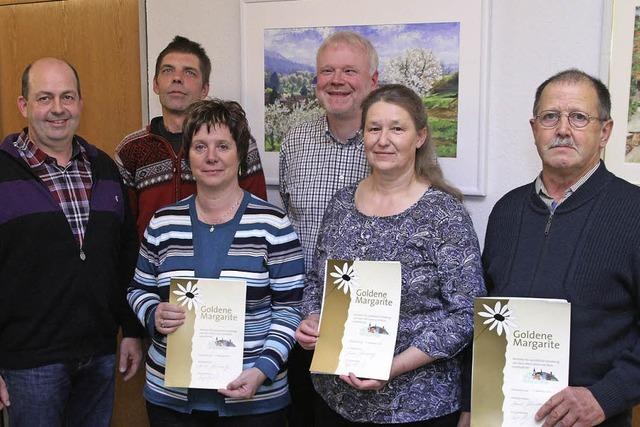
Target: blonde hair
[(352, 39)]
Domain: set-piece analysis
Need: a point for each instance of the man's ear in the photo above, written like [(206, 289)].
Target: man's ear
[(155, 85), (605, 132), (205, 91), (374, 80), (22, 106)]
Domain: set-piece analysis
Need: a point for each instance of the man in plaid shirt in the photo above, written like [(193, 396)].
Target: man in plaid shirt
[(318, 158), (67, 253)]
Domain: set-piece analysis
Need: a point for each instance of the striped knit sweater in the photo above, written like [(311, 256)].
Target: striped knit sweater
[(265, 252)]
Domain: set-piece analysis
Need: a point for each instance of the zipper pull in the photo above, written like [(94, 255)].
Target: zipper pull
[(83, 256), (548, 226)]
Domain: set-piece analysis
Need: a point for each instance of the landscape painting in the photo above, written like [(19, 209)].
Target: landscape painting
[(632, 148), (422, 56)]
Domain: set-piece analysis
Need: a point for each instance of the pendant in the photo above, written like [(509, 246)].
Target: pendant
[(212, 228)]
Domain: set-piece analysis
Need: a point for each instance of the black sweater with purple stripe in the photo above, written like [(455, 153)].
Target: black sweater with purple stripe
[(59, 302)]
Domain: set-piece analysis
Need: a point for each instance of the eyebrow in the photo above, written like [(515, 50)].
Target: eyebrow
[(393, 122), (189, 68), (66, 92)]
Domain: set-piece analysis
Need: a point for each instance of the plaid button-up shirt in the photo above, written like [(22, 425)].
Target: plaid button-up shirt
[(69, 185), (313, 166)]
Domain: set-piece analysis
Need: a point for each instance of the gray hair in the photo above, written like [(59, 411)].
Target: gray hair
[(573, 75), (352, 39)]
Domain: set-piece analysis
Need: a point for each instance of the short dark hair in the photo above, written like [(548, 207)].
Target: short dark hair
[(25, 79), (214, 112), (184, 45), (426, 161), (573, 75)]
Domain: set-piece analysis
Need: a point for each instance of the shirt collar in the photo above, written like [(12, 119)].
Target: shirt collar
[(35, 157), (355, 139), (549, 201)]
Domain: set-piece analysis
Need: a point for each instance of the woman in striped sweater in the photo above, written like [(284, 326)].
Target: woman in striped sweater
[(221, 232)]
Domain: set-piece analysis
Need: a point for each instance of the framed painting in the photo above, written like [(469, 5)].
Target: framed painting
[(436, 47), (622, 153)]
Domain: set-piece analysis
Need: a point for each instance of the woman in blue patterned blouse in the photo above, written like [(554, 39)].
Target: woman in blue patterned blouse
[(404, 211), (221, 232)]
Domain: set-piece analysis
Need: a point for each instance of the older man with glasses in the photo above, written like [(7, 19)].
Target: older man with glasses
[(574, 234)]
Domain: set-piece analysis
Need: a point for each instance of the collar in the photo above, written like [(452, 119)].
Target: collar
[(549, 201), (158, 128), (35, 157), (356, 139)]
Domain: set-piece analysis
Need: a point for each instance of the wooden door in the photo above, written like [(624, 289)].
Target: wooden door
[(101, 39)]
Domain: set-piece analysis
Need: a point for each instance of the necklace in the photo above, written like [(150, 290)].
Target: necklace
[(226, 215)]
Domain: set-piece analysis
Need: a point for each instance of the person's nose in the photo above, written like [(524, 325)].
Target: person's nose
[(177, 77), (337, 78), (56, 106), (563, 128), (212, 156), (384, 137)]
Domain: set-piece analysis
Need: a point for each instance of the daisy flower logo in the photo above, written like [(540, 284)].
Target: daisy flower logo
[(188, 295), (499, 317), (346, 277)]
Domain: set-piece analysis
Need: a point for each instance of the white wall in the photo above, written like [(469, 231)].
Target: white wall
[(529, 41)]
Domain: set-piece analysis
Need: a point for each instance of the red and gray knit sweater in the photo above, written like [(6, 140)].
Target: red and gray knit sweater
[(156, 176)]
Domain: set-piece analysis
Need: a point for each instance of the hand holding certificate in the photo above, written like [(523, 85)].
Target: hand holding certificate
[(206, 351)]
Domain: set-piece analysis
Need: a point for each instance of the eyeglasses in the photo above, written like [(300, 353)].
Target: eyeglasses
[(577, 119)]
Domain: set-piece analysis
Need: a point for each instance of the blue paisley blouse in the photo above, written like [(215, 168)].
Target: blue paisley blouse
[(435, 242)]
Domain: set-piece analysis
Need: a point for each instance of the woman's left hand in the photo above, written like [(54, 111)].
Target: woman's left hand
[(408, 360), (246, 385), (363, 384)]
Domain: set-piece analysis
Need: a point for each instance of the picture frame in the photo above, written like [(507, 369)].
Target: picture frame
[(467, 169), (620, 21)]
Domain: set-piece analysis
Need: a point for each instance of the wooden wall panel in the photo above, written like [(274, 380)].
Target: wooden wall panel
[(101, 39)]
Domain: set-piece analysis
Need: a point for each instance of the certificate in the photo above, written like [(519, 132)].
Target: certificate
[(520, 358), (359, 319), (207, 350)]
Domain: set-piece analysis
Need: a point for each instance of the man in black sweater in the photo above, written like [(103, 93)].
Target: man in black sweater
[(574, 234), (67, 252)]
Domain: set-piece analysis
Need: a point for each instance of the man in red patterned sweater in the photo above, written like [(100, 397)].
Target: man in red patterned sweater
[(151, 160)]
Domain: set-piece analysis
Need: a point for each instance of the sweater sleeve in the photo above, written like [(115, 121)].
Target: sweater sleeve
[(618, 390), (285, 264), (127, 172), (128, 251), (252, 176), (457, 258), (143, 294), (467, 360)]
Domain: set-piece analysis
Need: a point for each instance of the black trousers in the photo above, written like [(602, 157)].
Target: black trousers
[(303, 395), (159, 416)]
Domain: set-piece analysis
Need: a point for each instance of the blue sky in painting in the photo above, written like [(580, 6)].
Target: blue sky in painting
[(301, 44)]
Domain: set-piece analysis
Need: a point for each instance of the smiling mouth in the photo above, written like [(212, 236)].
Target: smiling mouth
[(57, 122)]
